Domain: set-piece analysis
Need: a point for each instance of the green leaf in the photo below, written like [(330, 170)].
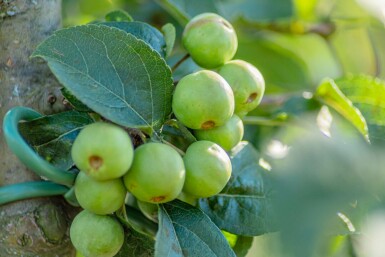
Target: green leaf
[(244, 205), (75, 103), (368, 95), (186, 231), (142, 31), (52, 136), (118, 15), (253, 10), (242, 245), (169, 36), (134, 219), (329, 93), (136, 245), (177, 134), (239, 244), (115, 74), (282, 69), (314, 51), (364, 58)]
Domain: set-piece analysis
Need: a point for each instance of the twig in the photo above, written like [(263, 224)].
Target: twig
[(176, 65)]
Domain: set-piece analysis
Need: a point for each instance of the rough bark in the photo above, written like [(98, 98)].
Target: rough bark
[(37, 227)]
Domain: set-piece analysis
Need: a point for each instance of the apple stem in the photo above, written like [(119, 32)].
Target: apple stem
[(176, 65)]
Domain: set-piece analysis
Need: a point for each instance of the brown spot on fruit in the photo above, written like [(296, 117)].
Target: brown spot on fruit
[(251, 97), (208, 124), (95, 162), (157, 199)]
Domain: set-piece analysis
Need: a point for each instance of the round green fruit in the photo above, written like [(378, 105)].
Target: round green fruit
[(210, 40), (157, 173), (99, 197), (203, 100), (103, 151), (150, 210), (227, 136), (96, 235), (247, 83), (208, 169)]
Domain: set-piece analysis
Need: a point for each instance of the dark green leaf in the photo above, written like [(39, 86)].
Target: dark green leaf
[(186, 231), (368, 95), (169, 36), (242, 246), (115, 74), (118, 15), (52, 136), (142, 31), (76, 104), (177, 134), (136, 245), (329, 93), (244, 205), (133, 219)]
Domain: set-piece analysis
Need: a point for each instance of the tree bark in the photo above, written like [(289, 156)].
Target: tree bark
[(37, 227)]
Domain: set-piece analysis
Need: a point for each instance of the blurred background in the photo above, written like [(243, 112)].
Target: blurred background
[(297, 45), (294, 43)]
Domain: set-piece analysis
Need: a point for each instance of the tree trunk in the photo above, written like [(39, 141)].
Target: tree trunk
[(37, 227)]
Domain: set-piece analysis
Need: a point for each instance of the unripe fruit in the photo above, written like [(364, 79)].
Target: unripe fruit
[(247, 83), (96, 235), (226, 136), (103, 151), (157, 173), (99, 197), (208, 169), (203, 100), (210, 40)]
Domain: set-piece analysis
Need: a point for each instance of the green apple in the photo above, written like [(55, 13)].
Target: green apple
[(96, 235), (208, 169), (247, 83), (203, 100), (227, 136), (210, 40), (157, 173), (99, 197), (103, 151)]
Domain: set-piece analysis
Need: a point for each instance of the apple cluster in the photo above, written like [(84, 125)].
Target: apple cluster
[(209, 103), (212, 103), (153, 173)]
